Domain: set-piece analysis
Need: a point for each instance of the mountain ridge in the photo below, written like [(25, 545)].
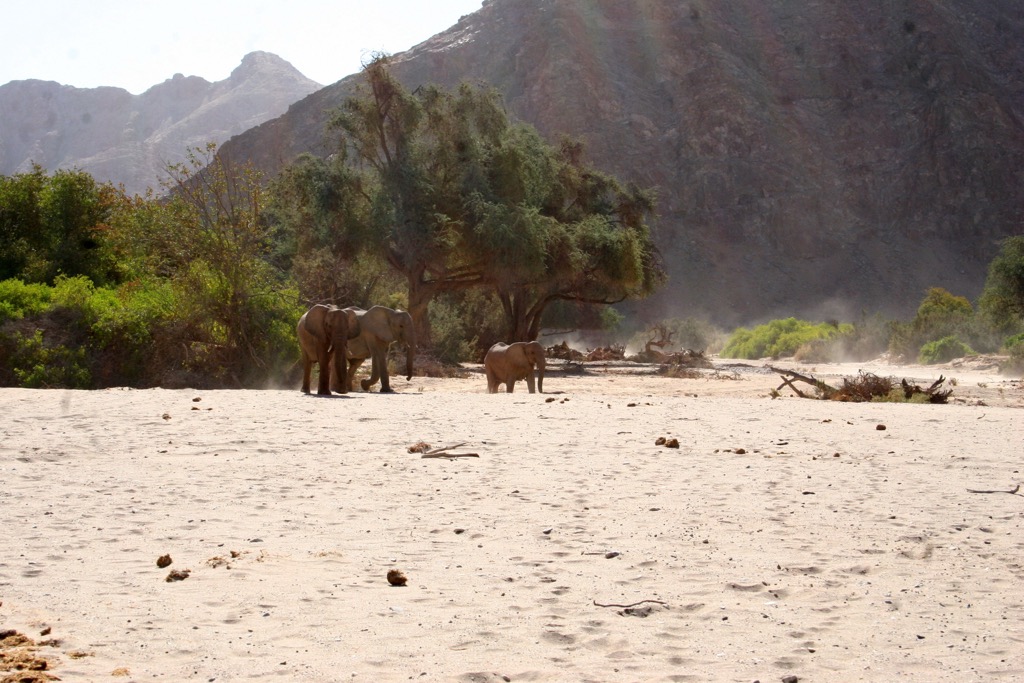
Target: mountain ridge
[(821, 160), (129, 139)]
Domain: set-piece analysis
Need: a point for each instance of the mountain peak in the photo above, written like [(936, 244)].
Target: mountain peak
[(261, 63)]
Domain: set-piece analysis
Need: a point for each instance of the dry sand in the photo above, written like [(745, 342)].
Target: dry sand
[(784, 537)]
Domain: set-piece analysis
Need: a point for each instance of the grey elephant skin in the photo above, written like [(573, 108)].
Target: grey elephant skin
[(323, 334), (508, 363), (371, 333)]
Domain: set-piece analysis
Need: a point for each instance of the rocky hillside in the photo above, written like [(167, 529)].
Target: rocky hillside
[(817, 158), (129, 139)]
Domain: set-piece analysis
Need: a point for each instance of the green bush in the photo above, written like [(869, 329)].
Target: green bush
[(1016, 342), (37, 366), (780, 338), (18, 300), (943, 350)]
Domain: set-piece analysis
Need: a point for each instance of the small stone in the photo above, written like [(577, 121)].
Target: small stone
[(880, 428), (612, 553), (460, 531), (177, 575), (396, 578), (672, 443), (660, 441), (163, 561), (740, 451)]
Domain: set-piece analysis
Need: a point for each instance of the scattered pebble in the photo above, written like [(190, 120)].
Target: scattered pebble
[(177, 575), (163, 561), (396, 578), (612, 553), (880, 428)]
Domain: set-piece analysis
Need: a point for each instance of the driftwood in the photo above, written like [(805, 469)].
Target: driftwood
[(1012, 491), (825, 390), (935, 395), (443, 453), (612, 604), (428, 452), (865, 387)]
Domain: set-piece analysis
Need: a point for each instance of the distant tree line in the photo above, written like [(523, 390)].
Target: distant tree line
[(435, 201)]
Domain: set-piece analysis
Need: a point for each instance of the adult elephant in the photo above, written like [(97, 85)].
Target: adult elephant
[(323, 334), (370, 334), (508, 363)]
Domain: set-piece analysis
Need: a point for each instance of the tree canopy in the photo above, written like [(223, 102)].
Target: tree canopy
[(1002, 300), (451, 193)]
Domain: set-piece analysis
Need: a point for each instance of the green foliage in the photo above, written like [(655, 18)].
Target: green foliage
[(1002, 301), (943, 350), (38, 366), (1014, 342), (940, 314), (55, 224), (451, 194), (1014, 364), (18, 300), (454, 341), (779, 338)]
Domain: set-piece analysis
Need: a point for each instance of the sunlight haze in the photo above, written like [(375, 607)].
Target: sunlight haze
[(136, 45)]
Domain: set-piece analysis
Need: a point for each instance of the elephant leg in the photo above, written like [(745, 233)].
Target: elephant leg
[(510, 384), (379, 370), (324, 363), (492, 381), (353, 368), (307, 371), (529, 383)]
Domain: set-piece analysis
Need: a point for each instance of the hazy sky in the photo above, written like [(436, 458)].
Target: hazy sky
[(135, 45)]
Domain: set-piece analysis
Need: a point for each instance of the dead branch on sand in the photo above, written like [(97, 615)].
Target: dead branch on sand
[(443, 453), (1012, 491), (865, 387), (612, 604)]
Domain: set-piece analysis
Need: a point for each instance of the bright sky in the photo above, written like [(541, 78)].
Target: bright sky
[(135, 45)]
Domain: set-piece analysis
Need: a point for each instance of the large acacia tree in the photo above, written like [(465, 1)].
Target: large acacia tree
[(452, 194)]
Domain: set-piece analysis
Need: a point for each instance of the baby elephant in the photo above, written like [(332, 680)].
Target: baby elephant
[(508, 363)]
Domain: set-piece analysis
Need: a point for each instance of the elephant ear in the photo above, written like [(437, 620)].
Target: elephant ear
[(315, 317)]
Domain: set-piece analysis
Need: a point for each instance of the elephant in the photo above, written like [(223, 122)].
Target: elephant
[(370, 334), (323, 334), (508, 363)]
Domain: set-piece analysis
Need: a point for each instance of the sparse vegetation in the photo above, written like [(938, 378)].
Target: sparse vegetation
[(780, 338)]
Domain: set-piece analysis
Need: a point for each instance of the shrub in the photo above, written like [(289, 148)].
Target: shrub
[(1014, 343), (453, 341), (943, 350), (35, 365), (780, 338), (18, 300)]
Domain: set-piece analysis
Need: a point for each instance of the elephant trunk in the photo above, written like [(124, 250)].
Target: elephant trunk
[(410, 355)]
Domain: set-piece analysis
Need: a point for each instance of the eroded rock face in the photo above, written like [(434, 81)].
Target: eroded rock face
[(816, 158), (125, 138)]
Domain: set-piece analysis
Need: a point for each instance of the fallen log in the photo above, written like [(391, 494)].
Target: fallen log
[(824, 389)]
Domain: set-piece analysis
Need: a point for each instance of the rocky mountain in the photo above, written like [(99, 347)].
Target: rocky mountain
[(816, 158), (129, 139)]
